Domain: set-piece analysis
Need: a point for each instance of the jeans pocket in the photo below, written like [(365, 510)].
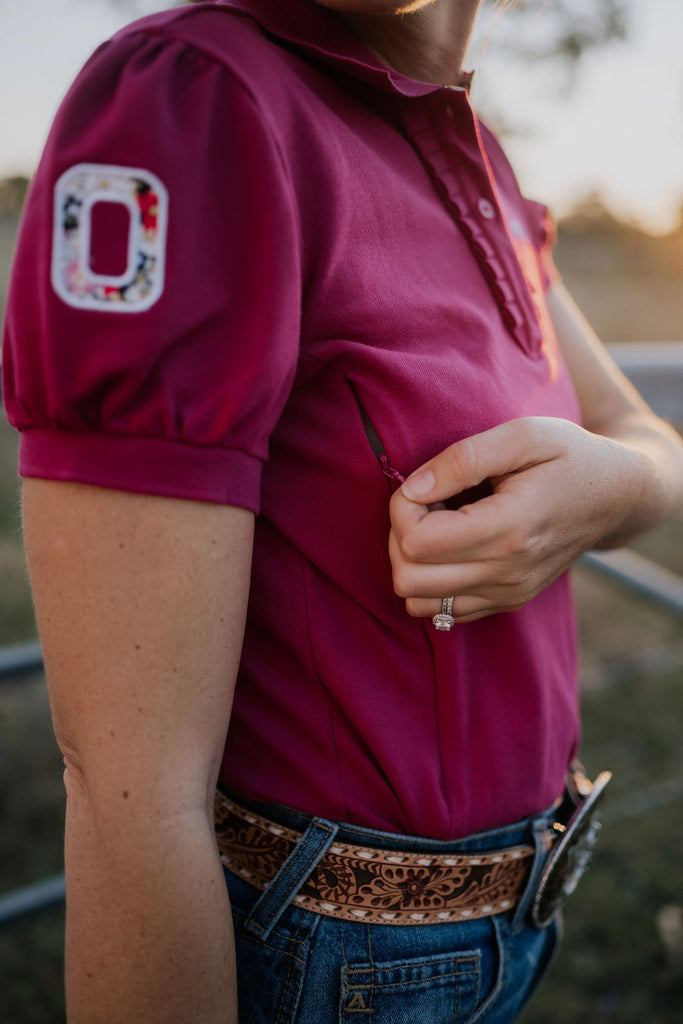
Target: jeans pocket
[(270, 974), (439, 989)]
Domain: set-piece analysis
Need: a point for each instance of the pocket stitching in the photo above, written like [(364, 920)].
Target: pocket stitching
[(365, 977), (290, 968), (474, 1001), (469, 957)]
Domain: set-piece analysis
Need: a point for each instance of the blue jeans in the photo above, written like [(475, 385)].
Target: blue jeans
[(298, 967)]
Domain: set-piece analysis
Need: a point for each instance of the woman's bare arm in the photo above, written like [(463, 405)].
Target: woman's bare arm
[(611, 407), (141, 604), (558, 490)]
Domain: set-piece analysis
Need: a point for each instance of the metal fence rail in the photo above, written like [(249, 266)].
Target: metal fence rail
[(640, 574), (656, 369), (21, 660), (30, 900)]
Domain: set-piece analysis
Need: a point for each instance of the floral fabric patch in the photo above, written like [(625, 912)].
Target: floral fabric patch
[(109, 241)]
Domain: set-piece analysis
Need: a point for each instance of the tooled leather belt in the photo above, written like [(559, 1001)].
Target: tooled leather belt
[(358, 883)]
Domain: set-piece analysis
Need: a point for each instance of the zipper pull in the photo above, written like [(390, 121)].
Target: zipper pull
[(393, 474)]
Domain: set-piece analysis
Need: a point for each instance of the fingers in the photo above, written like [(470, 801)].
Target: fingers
[(462, 535), (482, 586), (504, 449), (466, 608), (430, 580), (494, 554)]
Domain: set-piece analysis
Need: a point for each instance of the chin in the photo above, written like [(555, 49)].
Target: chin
[(374, 6)]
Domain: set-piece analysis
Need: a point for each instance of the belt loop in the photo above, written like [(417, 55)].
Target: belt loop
[(312, 846), (540, 830)]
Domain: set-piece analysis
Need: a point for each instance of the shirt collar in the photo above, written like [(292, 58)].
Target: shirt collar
[(323, 34)]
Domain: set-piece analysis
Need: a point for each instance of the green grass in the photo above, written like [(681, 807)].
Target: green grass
[(8, 230), (612, 965), (16, 614), (31, 836), (31, 969), (31, 792)]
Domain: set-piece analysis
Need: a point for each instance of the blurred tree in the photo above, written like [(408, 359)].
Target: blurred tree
[(590, 215), (12, 192), (563, 28)]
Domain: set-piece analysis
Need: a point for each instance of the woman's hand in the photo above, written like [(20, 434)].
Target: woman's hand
[(558, 490)]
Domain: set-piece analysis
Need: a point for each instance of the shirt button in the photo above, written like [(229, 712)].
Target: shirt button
[(487, 209)]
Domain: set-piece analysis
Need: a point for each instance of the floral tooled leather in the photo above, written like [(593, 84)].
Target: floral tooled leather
[(377, 886)]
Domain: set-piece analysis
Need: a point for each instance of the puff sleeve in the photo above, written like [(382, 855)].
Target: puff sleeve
[(153, 319)]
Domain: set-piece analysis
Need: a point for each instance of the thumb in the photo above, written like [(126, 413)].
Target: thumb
[(507, 448)]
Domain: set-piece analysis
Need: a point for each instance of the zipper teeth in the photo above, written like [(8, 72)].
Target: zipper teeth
[(374, 439)]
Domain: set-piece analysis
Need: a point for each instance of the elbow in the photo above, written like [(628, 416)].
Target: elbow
[(74, 777)]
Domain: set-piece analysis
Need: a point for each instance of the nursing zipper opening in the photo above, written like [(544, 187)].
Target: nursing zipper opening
[(374, 439)]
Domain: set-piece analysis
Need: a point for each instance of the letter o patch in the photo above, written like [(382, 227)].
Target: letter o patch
[(109, 239)]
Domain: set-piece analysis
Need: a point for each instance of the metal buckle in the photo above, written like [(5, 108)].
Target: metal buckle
[(569, 856)]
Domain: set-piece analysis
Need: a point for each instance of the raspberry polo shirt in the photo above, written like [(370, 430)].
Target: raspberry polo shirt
[(258, 267)]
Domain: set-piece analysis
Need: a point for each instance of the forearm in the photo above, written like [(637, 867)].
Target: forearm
[(648, 476), (644, 468), (141, 604), (149, 931)]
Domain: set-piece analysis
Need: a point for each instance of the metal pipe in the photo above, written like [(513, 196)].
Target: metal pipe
[(32, 899), (640, 574), (20, 660)]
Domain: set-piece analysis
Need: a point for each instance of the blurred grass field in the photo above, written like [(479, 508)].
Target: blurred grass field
[(614, 964)]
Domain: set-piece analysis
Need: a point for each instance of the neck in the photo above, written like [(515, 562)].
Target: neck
[(428, 44)]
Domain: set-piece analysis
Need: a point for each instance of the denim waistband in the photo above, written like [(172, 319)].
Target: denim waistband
[(515, 834)]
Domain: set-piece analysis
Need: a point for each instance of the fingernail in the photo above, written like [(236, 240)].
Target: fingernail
[(420, 485)]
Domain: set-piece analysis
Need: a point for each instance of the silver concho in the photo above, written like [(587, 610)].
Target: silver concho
[(570, 857)]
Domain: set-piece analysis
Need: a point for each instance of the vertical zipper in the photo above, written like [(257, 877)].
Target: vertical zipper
[(374, 439)]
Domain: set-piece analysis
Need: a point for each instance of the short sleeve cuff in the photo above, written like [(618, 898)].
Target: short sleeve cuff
[(172, 469)]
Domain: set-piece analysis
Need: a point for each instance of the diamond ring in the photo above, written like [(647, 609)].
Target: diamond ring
[(444, 620)]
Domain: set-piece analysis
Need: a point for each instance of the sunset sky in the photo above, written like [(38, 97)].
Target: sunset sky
[(619, 130)]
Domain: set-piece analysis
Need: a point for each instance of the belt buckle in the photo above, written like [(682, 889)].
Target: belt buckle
[(571, 855)]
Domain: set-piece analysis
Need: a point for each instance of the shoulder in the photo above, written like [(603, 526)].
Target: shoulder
[(189, 65), (212, 27), (188, 80), (214, 32)]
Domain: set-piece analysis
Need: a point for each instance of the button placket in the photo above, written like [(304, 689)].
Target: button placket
[(443, 130), (486, 208)]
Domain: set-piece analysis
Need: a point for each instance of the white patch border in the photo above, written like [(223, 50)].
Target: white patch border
[(87, 300)]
